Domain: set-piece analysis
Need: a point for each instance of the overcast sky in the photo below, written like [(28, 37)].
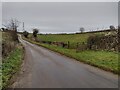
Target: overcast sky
[(52, 17)]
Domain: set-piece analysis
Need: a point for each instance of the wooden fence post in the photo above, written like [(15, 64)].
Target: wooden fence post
[(68, 44), (77, 47)]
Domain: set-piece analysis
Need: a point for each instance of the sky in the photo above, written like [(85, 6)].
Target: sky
[(0, 14), (61, 17), (60, 0)]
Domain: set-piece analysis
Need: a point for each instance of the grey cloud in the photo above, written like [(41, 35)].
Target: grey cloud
[(62, 16)]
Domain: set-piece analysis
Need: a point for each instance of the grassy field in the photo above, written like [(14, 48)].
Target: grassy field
[(65, 38), (73, 38), (102, 59)]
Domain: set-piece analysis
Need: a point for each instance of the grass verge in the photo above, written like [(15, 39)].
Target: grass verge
[(102, 59), (11, 65)]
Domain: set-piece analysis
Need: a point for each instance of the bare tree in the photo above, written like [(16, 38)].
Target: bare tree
[(82, 29), (13, 24)]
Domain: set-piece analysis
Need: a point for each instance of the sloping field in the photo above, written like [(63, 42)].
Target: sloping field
[(81, 37), (72, 38)]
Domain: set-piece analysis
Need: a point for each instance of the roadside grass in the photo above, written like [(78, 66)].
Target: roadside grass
[(11, 65), (12, 55), (103, 59)]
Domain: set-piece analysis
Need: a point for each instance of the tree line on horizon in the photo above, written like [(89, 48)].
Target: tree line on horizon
[(14, 24)]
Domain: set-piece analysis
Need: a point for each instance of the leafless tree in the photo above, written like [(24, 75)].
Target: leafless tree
[(13, 24)]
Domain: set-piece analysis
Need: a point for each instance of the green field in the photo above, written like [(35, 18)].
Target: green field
[(72, 38)]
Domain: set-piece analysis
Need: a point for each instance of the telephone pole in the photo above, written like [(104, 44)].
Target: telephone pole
[(23, 26)]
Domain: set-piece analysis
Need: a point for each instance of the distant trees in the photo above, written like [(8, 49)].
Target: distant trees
[(82, 29), (35, 32), (25, 33), (112, 27)]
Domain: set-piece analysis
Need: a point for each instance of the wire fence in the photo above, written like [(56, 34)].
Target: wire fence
[(79, 46)]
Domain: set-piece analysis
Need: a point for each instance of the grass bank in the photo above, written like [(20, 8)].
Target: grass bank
[(103, 59), (11, 65)]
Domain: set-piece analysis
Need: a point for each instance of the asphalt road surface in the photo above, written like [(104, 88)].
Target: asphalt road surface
[(43, 68)]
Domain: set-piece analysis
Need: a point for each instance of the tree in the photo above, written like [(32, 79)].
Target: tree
[(25, 33), (13, 24), (2, 29), (112, 27), (35, 32), (82, 29)]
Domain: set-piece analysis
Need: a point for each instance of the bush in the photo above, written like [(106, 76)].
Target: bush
[(25, 33), (9, 42), (101, 42)]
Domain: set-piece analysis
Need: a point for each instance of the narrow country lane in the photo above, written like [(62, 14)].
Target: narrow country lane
[(46, 69)]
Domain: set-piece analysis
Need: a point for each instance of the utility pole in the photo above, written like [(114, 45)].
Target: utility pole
[(23, 26)]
